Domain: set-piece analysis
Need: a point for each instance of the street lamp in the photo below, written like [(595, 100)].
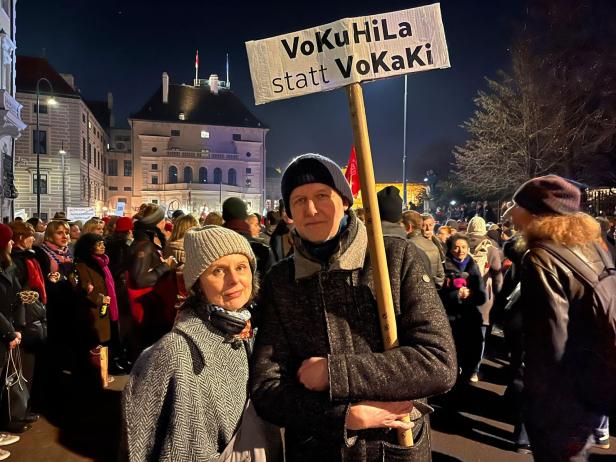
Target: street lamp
[(51, 102), (453, 202), (62, 153)]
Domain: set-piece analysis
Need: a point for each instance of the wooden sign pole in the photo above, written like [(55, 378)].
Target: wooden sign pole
[(376, 246)]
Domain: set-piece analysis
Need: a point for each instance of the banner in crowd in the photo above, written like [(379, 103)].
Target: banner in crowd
[(79, 213), (21, 213), (347, 51)]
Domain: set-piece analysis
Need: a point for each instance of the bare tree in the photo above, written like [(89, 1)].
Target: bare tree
[(555, 112)]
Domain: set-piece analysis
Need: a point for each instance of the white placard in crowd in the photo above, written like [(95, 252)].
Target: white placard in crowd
[(347, 51), (120, 206), (21, 213), (79, 213)]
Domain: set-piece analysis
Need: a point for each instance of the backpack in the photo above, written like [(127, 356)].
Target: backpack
[(592, 366), (480, 255)]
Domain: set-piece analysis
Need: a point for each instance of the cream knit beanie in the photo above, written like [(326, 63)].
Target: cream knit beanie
[(477, 226), (203, 246)]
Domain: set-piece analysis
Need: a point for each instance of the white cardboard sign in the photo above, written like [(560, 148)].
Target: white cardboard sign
[(347, 51), (79, 213)]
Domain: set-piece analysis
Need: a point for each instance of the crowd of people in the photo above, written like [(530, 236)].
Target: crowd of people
[(233, 325)]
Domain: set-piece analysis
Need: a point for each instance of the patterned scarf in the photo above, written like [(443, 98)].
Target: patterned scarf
[(60, 259), (103, 262)]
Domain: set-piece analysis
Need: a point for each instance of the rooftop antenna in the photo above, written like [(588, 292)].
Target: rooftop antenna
[(197, 69)]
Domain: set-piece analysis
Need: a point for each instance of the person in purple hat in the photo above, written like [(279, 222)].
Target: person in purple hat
[(562, 334)]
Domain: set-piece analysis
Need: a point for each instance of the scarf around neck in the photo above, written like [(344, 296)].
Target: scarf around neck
[(103, 262), (323, 251), (461, 264), (206, 311), (59, 257)]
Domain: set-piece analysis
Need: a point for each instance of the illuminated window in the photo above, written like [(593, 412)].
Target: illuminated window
[(205, 134)]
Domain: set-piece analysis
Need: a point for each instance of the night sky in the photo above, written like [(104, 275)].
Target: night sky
[(123, 46)]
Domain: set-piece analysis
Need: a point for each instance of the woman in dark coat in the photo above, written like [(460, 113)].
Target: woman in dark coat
[(30, 277), (463, 293), (12, 316), (95, 290), (117, 247), (56, 264), (152, 286)]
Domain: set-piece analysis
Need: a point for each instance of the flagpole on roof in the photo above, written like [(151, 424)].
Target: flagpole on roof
[(228, 81), (197, 68)]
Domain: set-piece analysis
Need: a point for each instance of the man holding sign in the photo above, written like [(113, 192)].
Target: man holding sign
[(319, 365), (322, 371)]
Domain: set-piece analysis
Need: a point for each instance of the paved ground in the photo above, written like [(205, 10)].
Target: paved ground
[(475, 431)]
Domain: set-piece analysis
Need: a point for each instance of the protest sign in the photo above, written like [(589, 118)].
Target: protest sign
[(347, 51), (79, 213)]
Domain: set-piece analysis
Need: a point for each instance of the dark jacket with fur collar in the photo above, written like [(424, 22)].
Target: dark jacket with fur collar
[(330, 310), (553, 296)]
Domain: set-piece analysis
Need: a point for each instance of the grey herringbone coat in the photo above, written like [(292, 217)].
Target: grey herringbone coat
[(185, 395), (330, 311)]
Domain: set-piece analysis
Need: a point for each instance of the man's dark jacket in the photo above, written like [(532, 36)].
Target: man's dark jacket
[(330, 311)]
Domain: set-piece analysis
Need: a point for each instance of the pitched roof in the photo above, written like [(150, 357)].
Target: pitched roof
[(101, 112), (30, 69), (200, 106)]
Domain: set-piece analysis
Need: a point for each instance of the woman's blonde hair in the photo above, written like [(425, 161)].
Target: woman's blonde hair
[(566, 230), (213, 218), (182, 224), (91, 225), (53, 226)]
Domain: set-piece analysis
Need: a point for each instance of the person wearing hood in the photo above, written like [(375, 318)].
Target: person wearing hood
[(564, 393), (319, 368), (152, 287), (488, 257), (187, 398), (412, 222)]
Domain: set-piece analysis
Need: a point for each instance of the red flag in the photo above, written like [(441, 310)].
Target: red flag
[(352, 173), (197, 60)]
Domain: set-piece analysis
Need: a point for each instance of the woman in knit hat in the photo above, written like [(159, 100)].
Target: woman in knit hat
[(489, 259), (152, 287), (188, 393), (567, 384)]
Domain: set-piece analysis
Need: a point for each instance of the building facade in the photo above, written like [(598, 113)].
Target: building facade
[(120, 172), (71, 143), (11, 123), (193, 146)]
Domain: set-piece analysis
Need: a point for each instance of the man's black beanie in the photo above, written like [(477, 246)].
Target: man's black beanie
[(390, 204), (313, 168)]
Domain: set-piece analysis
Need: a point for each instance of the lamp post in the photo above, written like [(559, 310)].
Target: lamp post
[(62, 153), (50, 102)]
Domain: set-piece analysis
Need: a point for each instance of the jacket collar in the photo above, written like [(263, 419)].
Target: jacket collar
[(392, 229), (206, 337), (349, 256)]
